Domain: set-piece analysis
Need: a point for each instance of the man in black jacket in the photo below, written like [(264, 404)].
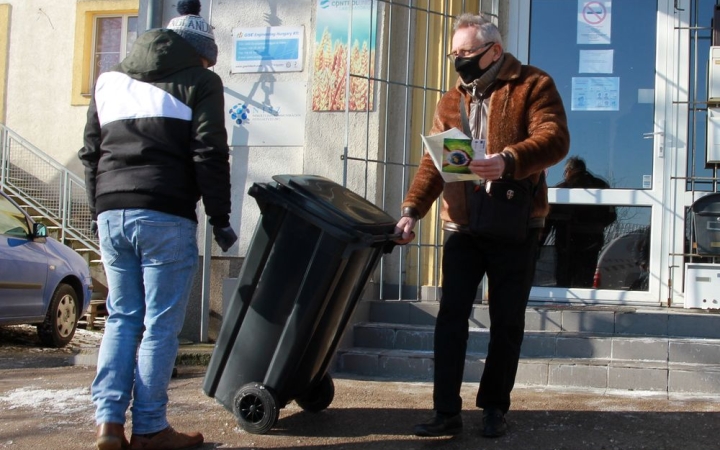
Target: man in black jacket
[(155, 144)]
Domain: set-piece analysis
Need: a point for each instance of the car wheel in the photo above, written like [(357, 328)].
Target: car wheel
[(61, 320)]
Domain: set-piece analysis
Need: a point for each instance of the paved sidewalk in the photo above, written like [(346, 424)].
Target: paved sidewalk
[(45, 403)]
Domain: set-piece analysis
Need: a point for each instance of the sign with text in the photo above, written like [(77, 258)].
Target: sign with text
[(267, 49)]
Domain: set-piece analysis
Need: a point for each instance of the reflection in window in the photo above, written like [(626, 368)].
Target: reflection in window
[(607, 87), (595, 246), (114, 37), (12, 220)]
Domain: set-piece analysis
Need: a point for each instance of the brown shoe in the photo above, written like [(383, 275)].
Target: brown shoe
[(111, 436), (167, 439)]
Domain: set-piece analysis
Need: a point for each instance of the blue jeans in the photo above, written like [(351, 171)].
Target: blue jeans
[(150, 259)]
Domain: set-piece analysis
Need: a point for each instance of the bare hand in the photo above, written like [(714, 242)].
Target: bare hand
[(405, 227), (490, 168)]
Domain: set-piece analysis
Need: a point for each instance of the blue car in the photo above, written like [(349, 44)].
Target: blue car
[(42, 281)]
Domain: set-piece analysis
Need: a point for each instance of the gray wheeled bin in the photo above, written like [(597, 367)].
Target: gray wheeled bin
[(314, 248), (706, 224)]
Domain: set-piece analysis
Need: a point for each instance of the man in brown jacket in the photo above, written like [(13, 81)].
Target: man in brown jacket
[(520, 113)]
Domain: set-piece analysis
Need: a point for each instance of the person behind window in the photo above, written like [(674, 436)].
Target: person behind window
[(155, 143), (579, 229), (518, 109)]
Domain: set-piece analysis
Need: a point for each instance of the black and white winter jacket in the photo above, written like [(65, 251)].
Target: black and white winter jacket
[(155, 136)]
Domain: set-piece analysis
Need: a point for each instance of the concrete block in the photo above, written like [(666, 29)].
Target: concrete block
[(406, 367), (473, 370), (537, 319), (358, 363), (480, 317), (539, 345), (640, 349), (478, 341), (534, 373), (390, 312), (694, 325), (638, 323), (414, 339), (638, 378), (423, 313), (694, 351), (581, 375), (595, 321), (373, 337), (584, 347), (706, 382)]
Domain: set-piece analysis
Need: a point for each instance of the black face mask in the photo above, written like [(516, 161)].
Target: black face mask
[(469, 68)]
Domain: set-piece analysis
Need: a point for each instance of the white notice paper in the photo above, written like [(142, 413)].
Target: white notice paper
[(596, 61)]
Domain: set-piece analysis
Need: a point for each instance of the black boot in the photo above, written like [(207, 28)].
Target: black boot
[(494, 424), (440, 425)]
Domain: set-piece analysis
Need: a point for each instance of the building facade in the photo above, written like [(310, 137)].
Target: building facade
[(345, 89)]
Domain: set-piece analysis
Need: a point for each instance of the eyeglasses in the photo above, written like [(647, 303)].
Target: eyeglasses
[(465, 53)]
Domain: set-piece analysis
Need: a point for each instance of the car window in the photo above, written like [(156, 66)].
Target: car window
[(12, 220)]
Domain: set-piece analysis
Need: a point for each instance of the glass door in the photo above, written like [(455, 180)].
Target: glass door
[(603, 240)]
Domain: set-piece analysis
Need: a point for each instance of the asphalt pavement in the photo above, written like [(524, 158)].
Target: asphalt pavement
[(45, 404)]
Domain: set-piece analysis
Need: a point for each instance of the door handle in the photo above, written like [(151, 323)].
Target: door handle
[(652, 135), (661, 143)]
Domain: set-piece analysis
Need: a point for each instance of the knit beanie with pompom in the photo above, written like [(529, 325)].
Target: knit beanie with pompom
[(195, 30)]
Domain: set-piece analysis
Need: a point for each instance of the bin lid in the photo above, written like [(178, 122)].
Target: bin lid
[(335, 200), (709, 204)]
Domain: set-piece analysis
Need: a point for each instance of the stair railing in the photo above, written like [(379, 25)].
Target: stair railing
[(47, 186)]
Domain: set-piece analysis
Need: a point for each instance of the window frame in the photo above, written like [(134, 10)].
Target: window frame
[(123, 39), (86, 14)]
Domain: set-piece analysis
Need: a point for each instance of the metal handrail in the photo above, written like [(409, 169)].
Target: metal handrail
[(47, 186)]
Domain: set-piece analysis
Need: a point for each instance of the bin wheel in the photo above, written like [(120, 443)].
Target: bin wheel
[(319, 397), (256, 408)]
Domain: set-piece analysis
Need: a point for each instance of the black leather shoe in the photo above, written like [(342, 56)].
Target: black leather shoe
[(440, 425), (494, 424)]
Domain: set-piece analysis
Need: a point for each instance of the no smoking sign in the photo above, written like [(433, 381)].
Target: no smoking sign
[(594, 13)]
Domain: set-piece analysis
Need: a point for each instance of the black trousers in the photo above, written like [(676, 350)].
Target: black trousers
[(510, 268)]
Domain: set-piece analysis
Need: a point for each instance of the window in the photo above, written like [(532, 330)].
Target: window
[(12, 220), (104, 33), (113, 39)]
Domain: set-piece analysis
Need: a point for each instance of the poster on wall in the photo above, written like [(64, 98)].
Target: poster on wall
[(594, 21), (270, 114), (336, 40), (595, 94), (267, 49)]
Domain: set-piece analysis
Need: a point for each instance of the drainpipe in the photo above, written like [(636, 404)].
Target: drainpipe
[(150, 15)]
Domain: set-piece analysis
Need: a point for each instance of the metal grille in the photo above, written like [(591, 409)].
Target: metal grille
[(47, 187), (410, 76)]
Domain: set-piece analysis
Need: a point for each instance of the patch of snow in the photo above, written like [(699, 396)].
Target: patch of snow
[(49, 400)]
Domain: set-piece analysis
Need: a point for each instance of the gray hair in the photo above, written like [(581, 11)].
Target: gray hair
[(486, 30)]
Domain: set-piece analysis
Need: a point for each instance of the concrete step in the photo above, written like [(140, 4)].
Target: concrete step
[(626, 348), (615, 320), (595, 373), (550, 344)]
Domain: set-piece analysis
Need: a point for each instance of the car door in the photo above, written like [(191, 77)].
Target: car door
[(23, 266)]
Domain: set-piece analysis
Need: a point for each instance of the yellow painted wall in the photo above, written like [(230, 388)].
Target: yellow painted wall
[(436, 33)]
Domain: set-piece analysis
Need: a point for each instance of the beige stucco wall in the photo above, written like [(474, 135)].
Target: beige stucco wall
[(40, 72)]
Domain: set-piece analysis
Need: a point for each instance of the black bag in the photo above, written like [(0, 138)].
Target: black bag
[(502, 213)]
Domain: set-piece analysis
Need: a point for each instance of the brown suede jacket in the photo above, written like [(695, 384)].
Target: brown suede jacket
[(526, 119)]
